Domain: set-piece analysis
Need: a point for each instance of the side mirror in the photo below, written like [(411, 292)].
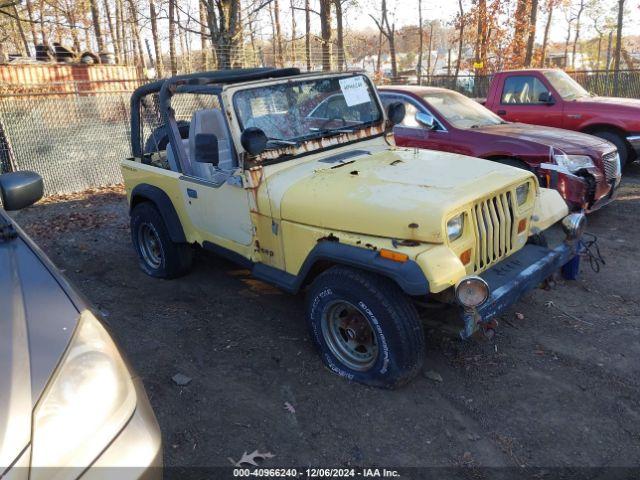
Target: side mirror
[(206, 148), (20, 189), (253, 140), (396, 112), (426, 120), (547, 98)]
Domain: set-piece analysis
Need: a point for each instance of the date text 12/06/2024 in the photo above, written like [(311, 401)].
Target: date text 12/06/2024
[(316, 473)]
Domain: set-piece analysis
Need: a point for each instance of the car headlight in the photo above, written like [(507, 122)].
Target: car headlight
[(522, 193), (573, 163), (88, 400), (455, 227)]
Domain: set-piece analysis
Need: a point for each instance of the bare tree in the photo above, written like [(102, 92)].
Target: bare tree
[(340, 34), (420, 44), (278, 34), (325, 32), (112, 31), (545, 41), (307, 33), (153, 14), (172, 37), (97, 29), (388, 30), (533, 20), (577, 34), (461, 21), (616, 59)]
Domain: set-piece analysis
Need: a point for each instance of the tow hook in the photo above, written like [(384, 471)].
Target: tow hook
[(475, 327)]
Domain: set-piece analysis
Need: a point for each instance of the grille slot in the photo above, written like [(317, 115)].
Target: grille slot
[(494, 223), (611, 165)]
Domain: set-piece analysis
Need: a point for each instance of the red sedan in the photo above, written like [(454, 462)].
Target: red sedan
[(583, 168)]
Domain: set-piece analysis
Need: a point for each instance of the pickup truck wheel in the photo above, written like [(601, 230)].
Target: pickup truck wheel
[(618, 141), (365, 327), (158, 255)]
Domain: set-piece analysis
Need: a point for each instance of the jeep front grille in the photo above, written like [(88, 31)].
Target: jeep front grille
[(494, 223), (611, 165)]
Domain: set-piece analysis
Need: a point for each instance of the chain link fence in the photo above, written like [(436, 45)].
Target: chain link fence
[(75, 141)]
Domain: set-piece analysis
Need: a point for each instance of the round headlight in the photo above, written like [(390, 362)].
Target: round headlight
[(455, 227), (574, 225), (472, 292)]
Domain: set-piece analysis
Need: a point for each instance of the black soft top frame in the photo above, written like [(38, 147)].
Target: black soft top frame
[(192, 83)]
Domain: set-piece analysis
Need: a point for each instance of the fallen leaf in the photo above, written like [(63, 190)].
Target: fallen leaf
[(251, 458), (519, 316), (289, 407)]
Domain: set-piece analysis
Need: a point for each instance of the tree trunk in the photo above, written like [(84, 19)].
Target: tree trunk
[(23, 37), (480, 36), (420, 44), (460, 41), (616, 59), (156, 38), (340, 33), (429, 52), (120, 28), (293, 34), (32, 23), (112, 31), (204, 50), (545, 40), (533, 20), (172, 37), (521, 27), (599, 52), (278, 34), (577, 36), (43, 30), (97, 29), (325, 30), (307, 34), (379, 59)]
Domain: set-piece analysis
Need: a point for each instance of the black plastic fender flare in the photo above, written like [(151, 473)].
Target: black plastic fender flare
[(161, 200)]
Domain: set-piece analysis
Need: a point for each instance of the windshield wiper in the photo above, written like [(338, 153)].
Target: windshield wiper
[(282, 142)]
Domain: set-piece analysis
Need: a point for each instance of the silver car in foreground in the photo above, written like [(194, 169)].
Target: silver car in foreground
[(70, 405)]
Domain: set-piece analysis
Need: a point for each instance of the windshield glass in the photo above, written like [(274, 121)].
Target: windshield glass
[(296, 111), (566, 86), (461, 111)]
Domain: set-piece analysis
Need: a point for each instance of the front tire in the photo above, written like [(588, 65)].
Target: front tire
[(365, 327), (158, 255)]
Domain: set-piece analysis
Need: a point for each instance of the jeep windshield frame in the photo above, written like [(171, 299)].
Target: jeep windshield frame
[(300, 115)]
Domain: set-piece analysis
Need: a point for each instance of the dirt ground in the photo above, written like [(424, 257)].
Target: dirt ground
[(557, 387)]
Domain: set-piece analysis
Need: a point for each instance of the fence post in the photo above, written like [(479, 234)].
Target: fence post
[(7, 157)]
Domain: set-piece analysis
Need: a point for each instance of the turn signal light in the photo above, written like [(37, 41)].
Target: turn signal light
[(522, 225), (395, 256), (465, 257)]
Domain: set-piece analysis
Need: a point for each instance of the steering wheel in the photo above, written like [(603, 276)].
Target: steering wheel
[(328, 120)]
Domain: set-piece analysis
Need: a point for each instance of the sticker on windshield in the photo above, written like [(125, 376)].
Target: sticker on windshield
[(354, 90)]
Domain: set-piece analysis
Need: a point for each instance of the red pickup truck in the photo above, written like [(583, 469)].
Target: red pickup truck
[(551, 97)]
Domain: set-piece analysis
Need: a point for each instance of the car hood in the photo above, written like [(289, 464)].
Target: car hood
[(617, 101), (37, 320), (381, 193), (549, 136)]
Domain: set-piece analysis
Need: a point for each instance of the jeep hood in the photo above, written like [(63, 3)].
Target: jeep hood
[(394, 193), (37, 320)]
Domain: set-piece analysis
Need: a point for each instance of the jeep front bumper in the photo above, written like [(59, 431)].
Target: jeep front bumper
[(511, 278)]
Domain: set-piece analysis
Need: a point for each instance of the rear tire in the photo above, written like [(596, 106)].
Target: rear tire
[(158, 255), (365, 327), (619, 142)]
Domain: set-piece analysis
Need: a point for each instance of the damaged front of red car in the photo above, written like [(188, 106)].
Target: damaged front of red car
[(585, 169)]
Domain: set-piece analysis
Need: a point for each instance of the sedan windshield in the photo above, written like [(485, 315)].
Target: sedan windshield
[(297, 111), (461, 111), (566, 86)]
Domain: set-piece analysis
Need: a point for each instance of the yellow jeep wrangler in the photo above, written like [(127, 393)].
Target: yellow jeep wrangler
[(296, 176)]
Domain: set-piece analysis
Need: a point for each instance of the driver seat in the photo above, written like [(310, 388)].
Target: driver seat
[(211, 121)]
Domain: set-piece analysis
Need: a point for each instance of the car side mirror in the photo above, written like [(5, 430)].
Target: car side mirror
[(253, 140), (396, 112), (206, 146), (20, 189), (426, 120), (547, 98)]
